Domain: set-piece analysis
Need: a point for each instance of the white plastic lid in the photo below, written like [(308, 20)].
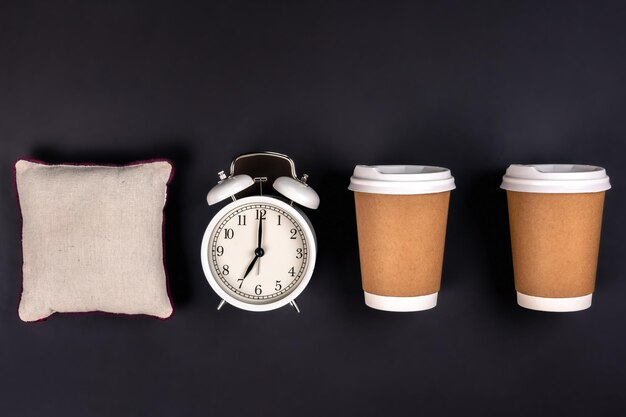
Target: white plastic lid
[(401, 179), (555, 178)]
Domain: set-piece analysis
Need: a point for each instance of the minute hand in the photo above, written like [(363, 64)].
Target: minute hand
[(260, 233)]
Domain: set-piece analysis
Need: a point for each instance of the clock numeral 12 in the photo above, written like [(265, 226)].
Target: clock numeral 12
[(261, 213)]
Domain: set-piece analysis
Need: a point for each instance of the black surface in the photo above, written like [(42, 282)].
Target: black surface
[(472, 86)]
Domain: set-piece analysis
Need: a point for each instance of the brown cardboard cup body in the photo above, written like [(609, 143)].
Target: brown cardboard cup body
[(401, 242), (555, 241)]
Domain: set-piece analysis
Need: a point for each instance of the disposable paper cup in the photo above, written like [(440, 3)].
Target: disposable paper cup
[(555, 217), (401, 212)]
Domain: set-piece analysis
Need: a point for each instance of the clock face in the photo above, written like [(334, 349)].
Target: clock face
[(259, 251)]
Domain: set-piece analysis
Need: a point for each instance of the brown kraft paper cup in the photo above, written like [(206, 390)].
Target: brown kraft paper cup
[(401, 246), (401, 242), (555, 239)]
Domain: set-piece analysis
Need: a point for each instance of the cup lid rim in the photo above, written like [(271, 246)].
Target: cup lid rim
[(401, 179), (555, 178)]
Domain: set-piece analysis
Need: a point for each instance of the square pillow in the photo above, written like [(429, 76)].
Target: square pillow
[(92, 238)]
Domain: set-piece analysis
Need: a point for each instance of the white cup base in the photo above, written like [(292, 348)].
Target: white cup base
[(554, 304), (401, 304)]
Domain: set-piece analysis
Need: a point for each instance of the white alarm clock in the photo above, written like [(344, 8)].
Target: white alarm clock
[(258, 252)]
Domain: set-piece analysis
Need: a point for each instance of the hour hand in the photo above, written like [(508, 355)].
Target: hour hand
[(251, 266)]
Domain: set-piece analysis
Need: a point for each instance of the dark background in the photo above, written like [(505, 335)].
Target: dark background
[(473, 86)]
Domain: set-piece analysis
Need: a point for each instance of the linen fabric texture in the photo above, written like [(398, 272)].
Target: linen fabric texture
[(92, 238)]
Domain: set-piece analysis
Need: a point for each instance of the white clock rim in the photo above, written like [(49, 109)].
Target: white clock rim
[(309, 233)]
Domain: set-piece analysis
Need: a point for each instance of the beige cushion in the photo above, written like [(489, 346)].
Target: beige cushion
[(92, 238)]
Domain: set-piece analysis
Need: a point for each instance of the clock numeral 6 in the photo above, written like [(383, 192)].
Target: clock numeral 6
[(293, 233), (258, 290), (298, 253), (261, 214), (278, 286), (292, 272), (226, 270), (229, 233), (219, 250)]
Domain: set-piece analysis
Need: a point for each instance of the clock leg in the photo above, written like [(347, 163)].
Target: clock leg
[(294, 305), (221, 304)]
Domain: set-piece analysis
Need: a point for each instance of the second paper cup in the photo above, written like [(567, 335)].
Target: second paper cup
[(402, 213), (555, 216)]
